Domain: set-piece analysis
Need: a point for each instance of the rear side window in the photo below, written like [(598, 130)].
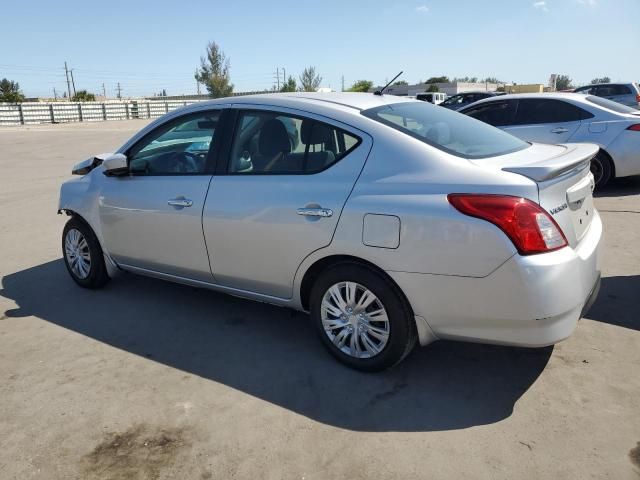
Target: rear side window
[(612, 90), (498, 113), (277, 143), (534, 111), (446, 130), (611, 105)]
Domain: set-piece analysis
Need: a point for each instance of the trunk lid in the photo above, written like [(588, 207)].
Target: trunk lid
[(562, 175)]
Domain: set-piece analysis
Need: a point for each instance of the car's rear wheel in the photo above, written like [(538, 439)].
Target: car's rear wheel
[(601, 169), (83, 255), (361, 317)]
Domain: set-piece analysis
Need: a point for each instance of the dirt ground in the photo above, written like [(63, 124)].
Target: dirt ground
[(150, 380)]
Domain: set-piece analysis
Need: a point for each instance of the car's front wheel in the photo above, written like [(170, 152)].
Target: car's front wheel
[(361, 317), (83, 255)]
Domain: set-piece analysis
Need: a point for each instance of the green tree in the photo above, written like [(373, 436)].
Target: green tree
[(563, 82), (600, 80), (214, 72), (361, 86), (401, 82), (442, 79), (290, 85), (83, 96), (310, 80), (491, 80), (433, 88), (10, 91)]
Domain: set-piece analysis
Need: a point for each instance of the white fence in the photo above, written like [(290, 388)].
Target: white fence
[(30, 113)]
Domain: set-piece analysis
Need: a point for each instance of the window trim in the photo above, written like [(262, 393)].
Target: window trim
[(223, 167), (212, 154)]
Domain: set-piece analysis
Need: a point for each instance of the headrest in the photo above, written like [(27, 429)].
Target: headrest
[(273, 138), (313, 133)]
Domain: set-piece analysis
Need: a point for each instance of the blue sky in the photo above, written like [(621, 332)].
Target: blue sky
[(150, 45)]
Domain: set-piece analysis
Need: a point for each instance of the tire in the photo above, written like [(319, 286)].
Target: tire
[(83, 255), (602, 169), (356, 337)]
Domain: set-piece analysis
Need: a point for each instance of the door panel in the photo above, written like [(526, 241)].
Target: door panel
[(544, 133), (255, 235), (152, 217), (141, 229)]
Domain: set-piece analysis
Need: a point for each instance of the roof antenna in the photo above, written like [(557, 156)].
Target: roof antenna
[(381, 91)]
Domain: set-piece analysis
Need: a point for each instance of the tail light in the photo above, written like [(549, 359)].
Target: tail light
[(530, 228), (635, 128), (638, 97)]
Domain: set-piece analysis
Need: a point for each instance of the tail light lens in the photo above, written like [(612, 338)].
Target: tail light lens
[(531, 229), (635, 128), (638, 97)]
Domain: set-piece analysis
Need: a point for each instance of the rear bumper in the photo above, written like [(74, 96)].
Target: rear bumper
[(530, 301)]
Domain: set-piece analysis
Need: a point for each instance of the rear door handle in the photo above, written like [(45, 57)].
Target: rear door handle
[(180, 202), (315, 212), (560, 130)]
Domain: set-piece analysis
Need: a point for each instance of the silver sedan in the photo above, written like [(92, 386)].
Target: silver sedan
[(570, 117), (392, 222)]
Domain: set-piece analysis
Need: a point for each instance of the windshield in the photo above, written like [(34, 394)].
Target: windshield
[(446, 130), (611, 105)]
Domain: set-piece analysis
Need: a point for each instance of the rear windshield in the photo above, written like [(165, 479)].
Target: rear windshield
[(446, 130), (611, 105)]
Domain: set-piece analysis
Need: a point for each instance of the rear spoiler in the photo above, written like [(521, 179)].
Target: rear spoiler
[(575, 157)]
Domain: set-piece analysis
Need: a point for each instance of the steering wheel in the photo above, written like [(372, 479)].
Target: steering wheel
[(186, 162)]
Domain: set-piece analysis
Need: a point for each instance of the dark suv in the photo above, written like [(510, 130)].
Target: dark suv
[(624, 93)]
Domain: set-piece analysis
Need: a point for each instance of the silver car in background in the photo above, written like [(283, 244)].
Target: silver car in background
[(390, 221), (570, 117), (625, 93)]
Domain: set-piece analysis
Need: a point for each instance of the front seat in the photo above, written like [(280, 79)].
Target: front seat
[(273, 145)]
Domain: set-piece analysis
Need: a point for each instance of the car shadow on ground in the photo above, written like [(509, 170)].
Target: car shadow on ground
[(620, 187), (273, 354), (618, 302)]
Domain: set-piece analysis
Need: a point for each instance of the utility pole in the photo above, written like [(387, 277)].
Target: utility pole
[(278, 77), (342, 78), (284, 75), (66, 72), (104, 91), (119, 89), (55, 94), (73, 84)]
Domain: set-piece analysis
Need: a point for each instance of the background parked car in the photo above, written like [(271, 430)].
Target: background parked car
[(456, 102), (624, 93), (569, 117), (432, 97)]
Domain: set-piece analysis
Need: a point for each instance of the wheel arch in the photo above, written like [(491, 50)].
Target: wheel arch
[(608, 156), (316, 268)]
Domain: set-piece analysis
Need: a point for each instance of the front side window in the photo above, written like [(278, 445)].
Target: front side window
[(498, 114), (446, 130), (455, 100), (179, 147), (533, 111), (276, 143)]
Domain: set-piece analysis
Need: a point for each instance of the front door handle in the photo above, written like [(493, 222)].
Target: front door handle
[(560, 130), (315, 212), (180, 202)]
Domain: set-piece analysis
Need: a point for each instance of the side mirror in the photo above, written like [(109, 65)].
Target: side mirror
[(115, 164)]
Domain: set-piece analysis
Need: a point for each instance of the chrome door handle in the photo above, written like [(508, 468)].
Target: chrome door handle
[(315, 212), (560, 130), (180, 202)]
